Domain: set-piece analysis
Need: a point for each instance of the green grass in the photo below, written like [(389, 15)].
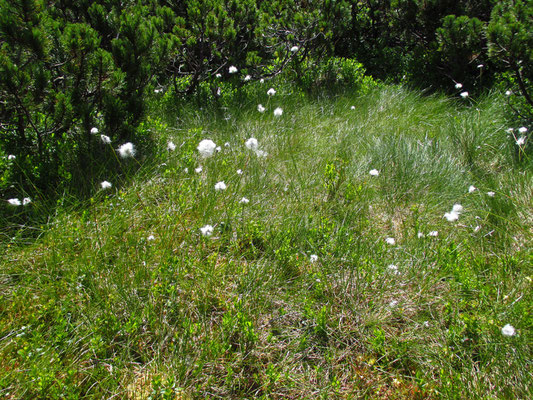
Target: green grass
[(96, 309)]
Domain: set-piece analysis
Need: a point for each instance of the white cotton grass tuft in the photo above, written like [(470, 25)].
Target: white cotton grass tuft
[(227, 145), (105, 185), (105, 139), (508, 330), (206, 230), (14, 202), (451, 216), (522, 129), (186, 170), (247, 78), (521, 140), (457, 208), (464, 95), (313, 258), (374, 172), (472, 189), (352, 108), (219, 75), (220, 186), (294, 49), (271, 92), (278, 112), (393, 269), (491, 194), (458, 85), (11, 157), (239, 172), (171, 146), (94, 130), (218, 149), (393, 303), (198, 170), (260, 108), (508, 93), (233, 69), (261, 154), (206, 148), (390, 241), (150, 238), (127, 150), (433, 233), (420, 235), (244, 200), (252, 144), (26, 201)]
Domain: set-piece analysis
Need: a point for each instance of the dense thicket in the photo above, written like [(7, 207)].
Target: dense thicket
[(67, 67)]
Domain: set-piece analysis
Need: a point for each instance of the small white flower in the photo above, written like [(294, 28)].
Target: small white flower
[(150, 238), (352, 108), (521, 140), (262, 80), (508, 93), (393, 269), (26, 201), (522, 129), (472, 189), (106, 185), (94, 130), (313, 258), (220, 186), (464, 95), (393, 303), (374, 172), (252, 144), (127, 150), (206, 148), (171, 146), (239, 172), (244, 200), (294, 49), (508, 330), (278, 112), (260, 108), (232, 70), (227, 144), (206, 230), (247, 78), (261, 153), (271, 92), (390, 241), (198, 170), (491, 194), (218, 75), (105, 139), (11, 157), (433, 233), (458, 85), (420, 235), (451, 216), (457, 208), (14, 202), (186, 170)]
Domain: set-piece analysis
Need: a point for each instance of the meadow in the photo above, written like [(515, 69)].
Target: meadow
[(374, 244)]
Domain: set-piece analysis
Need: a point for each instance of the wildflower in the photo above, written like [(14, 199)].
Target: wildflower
[(352, 108), (521, 140), (261, 80), (26, 201), (244, 200), (171, 146), (150, 238), (206, 230), (451, 216), (491, 194), (374, 172), (227, 144), (294, 49), (252, 144), (106, 185), (11, 157), (458, 85), (278, 112), (393, 269), (239, 172), (523, 129), (390, 241), (472, 189), (508, 330), (464, 95), (218, 75), (508, 93), (158, 90), (218, 149), (313, 258), (14, 202), (420, 235), (457, 208), (261, 153), (260, 108), (206, 148), (271, 92), (198, 170), (127, 150), (219, 186), (433, 233), (247, 78), (105, 139), (233, 69), (94, 130)]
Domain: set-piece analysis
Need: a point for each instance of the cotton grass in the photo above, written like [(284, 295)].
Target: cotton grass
[(127, 150), (206, 148)]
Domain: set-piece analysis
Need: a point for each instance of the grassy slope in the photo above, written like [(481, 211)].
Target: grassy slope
[(96, 308)]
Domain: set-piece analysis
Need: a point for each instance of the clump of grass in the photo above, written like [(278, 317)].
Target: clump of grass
[(294, 293)]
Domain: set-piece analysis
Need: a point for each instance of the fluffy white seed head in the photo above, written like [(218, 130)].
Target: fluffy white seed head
[(491, 194), (206, 148), (458, 85), (105, 139), (457, 208), (433, 233), (271, 92), (244, 200), (294, 49), (390, 241), (252, 144), (220, 186), (14, 202), (127, 150), (313, 258), (94, 130), (206, 230), (451, 216), (374, 172), (521, 140), (11, 157), (278, 112), (106, 185), (171, 146), (508, 330), (233, 69), (522, 129), (472, 189), (247, 78), (464, 95), (260, 108)]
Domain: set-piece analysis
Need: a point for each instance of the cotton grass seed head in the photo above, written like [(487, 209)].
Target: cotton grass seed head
[(127, 150), (271, 92), (451, 216), (458, 85), (521, 140), (457, 208), (491, 194), (206, 148), (508, 330), (472, 189), (278, 112), (11, 157), (105, 185), (220, 186), (508, 92), (198, 170), (313, 258), (523, 129), (374, 172), (260, 108), (94, 130), (14, 202), (105, 139), (206, 230), (233, 69), (247, 78), (261, 154), (252, 144), (150, 238), (294, 49), (433, 233), (390, 241), (171, 146), (239, 172), (244, 200), (464, 95)]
